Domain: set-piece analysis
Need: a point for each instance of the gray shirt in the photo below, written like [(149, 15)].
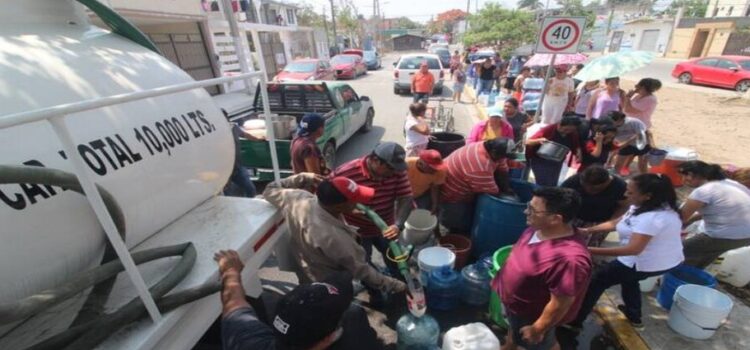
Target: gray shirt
[(631, 128), (727, 208)]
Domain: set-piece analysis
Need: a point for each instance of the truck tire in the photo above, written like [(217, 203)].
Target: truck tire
[(439, 91), (329, 154), (367, 126)]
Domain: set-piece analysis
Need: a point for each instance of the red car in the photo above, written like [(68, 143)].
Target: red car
[(306, 69), (723, 71), (348, 66)]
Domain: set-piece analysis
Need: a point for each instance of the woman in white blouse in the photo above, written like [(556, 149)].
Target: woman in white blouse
[(650, 245)]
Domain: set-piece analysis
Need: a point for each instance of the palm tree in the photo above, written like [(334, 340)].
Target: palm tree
[(530, 4)]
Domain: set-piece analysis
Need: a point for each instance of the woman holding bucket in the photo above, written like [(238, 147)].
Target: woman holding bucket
[(650, 245), (724, 206), (565, 133)]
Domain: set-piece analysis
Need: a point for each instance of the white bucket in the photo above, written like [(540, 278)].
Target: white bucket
[(735, 269), (698, 311), (473, 336), (648, 284), (433, 258), (419, 226)]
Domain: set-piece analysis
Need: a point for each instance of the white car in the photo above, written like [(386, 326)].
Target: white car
[(408, 65)]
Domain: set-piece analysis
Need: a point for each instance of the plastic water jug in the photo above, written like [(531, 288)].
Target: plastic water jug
[(473, 336), (444, 289), (475, 284), (417, 333), (735, 269)]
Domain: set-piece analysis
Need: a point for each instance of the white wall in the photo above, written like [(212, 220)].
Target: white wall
[(739, 8), (634, 32), (182, 7)]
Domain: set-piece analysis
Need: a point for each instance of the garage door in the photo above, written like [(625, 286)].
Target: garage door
[(183, 45), (648, 40)]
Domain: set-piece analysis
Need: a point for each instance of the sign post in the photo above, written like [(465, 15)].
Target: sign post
[(557, 35)]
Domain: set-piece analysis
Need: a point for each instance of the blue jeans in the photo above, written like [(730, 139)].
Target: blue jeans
[(418, 96), (485, 86), (241, 178)]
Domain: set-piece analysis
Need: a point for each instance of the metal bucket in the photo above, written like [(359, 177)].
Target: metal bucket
[(554, 151), (284, 126)]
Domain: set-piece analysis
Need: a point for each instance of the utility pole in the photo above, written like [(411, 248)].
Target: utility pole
[(466, 22), (325, 27), (333, 21)]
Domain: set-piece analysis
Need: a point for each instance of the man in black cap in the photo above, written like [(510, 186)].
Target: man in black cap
[(321, 242), (311, 317), (306, 155), (384, 170)]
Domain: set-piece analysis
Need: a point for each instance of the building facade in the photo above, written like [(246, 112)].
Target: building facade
[(644, 34), (728, 8)]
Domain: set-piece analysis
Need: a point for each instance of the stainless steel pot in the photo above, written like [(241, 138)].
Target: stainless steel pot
[(554, 151), (284, 126)]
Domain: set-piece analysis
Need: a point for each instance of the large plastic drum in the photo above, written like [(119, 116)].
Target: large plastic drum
[(500, 221), (446, 142)]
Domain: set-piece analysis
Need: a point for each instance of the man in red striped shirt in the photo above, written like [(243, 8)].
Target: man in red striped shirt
[(472, 169), (385, 171)]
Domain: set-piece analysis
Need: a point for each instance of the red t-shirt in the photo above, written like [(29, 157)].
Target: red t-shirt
[(535, 271), (386, 193), (303, 148), (549, 132)]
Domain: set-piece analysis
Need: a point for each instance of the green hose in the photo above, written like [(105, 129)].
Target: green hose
[(395, 248), (119, 24)]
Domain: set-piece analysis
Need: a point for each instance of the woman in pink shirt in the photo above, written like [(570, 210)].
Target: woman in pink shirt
[(641, 102), (489, 129)]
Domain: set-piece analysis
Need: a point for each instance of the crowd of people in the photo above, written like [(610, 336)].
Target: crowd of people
[(549, 280)]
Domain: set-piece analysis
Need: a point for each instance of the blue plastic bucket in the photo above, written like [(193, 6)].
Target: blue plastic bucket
[(680, 275), (499, 221)]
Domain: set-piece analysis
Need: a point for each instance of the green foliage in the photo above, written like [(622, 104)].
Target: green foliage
[(307, 17), (693, 8), (576, 8), (406, 23), (530, 4), (503, 28)]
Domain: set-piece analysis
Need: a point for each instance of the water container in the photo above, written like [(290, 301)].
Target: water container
[(500, 221), (417, 333), (698, 311), (444, 289), (473, 336), (446, 142), (475, 284), (675, 157), (496, 307), (419, 227), (680, 275), (433, 258), (735, 268), (483, 99), (459, 245)]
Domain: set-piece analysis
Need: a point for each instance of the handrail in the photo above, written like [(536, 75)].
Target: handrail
[(14, 119)]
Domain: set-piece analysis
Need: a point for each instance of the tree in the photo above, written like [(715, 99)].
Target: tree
[(406, 23), (348, 21), (307, 17), (530, 4), (503, 28), (445, 21), (576, 8), (693, 8)]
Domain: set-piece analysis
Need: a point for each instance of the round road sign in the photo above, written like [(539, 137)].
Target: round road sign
[(560, 35)]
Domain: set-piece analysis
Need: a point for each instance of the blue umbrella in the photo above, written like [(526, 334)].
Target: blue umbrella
[(614, 65)]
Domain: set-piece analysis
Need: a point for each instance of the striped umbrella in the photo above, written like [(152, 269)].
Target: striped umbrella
[(544, 59), (614, 65)]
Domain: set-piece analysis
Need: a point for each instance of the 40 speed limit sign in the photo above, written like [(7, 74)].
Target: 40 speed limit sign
[(560, 35)]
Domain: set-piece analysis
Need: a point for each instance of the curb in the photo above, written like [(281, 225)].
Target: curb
[(468, 90), (618, 325)]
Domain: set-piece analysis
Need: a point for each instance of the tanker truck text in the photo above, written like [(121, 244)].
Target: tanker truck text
[(111, 153)]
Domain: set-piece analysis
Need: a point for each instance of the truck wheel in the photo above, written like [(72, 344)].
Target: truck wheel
[(367, 126), (396, 91), (329, 154), (439, 91)]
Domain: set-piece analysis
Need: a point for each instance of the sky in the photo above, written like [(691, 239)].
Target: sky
[(416, 10)]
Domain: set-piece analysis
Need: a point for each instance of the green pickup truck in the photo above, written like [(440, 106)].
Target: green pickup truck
[(345, 112)]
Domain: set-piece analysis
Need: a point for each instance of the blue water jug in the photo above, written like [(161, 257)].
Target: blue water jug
[(443, 289), (475, 284), (417, 333)]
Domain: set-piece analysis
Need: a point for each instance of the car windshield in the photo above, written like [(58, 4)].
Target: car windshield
[(369, 55), (300, 67), (443, 53), (745, 64), (414, 62), (342, 59)]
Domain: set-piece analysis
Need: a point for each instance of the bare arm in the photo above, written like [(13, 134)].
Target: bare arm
[(435, 198), (403, 209), (607, 226), (636, 245), (553, 313), (312, 165), (689, 210), (421, 127), (232, 293), (535, 142)]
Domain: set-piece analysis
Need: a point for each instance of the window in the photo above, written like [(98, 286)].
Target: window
[(745, 65), (710, 62), (415, 62), (729, 12), (290, 17), (726, 64)]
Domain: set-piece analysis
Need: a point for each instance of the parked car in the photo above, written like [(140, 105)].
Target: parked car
[(348, 66), (408, 65), (723, 71), (373, 60), (345, 114), (433, 47), (306, 69), (444, 55), (358, 52)]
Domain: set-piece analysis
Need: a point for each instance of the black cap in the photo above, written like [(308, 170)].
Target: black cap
[(311, 312), (500, 147), (392, 154)]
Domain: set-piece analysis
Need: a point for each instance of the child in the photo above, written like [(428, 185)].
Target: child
[(459, 81), (599, 147)]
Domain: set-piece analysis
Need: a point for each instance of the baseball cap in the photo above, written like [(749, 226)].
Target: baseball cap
[(310, 312), (432, 158), (392, 154), (495, 111), (352, 191), (309, 123)]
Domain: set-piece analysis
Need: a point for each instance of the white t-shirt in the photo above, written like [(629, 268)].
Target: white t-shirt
[(664, 250), (630, 128), (727, 209), (414, 138)]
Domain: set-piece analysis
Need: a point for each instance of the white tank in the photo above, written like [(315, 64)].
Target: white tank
[(158, 157)]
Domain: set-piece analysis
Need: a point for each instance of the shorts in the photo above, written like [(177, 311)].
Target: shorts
[(631, 150), (509, 81), (516, 322), (458, 87)]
